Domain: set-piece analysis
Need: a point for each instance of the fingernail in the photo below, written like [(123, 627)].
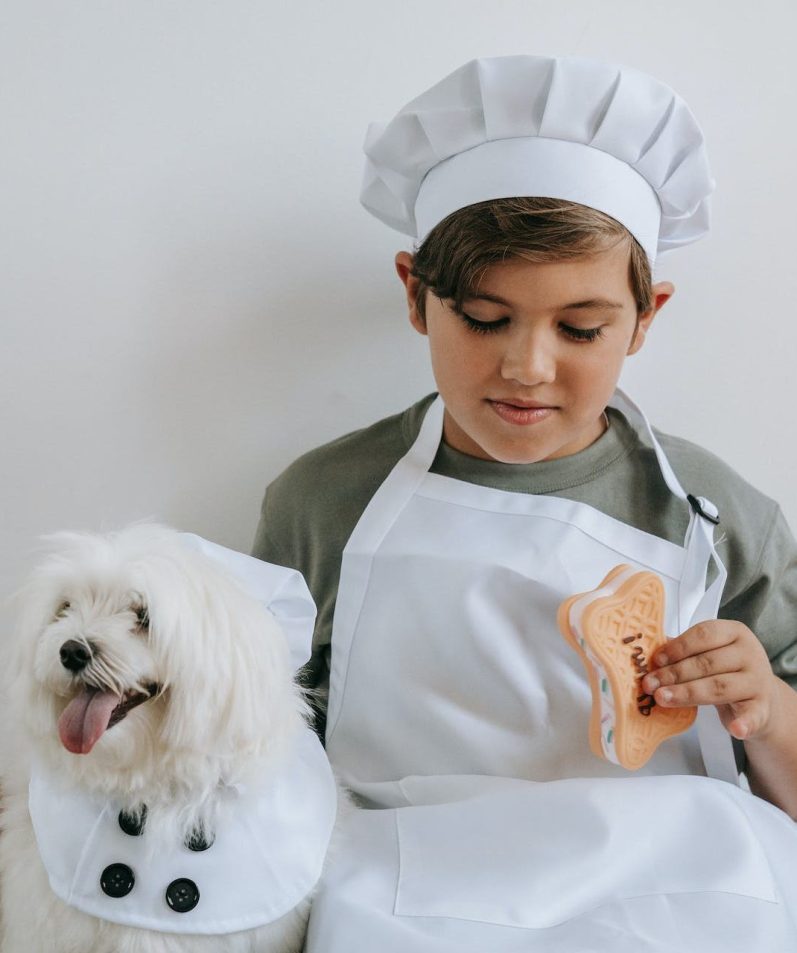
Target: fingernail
[(652, 683), (661, 659), (665, 695)]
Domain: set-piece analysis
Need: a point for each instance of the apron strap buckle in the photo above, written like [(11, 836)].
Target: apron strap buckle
[(698, 508)]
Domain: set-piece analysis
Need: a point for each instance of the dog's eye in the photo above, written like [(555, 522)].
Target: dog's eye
[(61, 610), (143, 617)]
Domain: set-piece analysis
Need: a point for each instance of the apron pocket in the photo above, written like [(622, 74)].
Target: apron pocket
[(537, 854)]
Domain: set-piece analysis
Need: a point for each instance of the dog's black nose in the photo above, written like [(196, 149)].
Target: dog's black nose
[(75, 655)]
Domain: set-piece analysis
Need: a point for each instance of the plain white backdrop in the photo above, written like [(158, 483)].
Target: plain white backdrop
[(192, 295)]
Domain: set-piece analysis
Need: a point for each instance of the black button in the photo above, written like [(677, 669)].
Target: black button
[(199, 840), (133, 824), (182, 895), (117, 880)]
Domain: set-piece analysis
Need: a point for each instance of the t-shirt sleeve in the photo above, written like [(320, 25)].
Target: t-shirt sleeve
[(768, 602), (267, 544), (280, 539)]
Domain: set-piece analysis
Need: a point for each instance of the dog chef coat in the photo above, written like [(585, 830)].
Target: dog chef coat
[(270, 841), (460, 715)]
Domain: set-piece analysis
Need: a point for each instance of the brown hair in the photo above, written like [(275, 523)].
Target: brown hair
[(453, 257)]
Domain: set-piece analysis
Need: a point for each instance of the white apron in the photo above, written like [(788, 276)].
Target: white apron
[(458, 711)]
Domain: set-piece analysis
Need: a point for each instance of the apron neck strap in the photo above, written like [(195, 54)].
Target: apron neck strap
[(424, 450), (422, 453), (634, 415)]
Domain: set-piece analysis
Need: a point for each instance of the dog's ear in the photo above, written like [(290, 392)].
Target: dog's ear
[(226, 662), (26, 706)]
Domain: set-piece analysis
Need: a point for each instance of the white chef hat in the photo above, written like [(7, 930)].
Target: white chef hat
[(282, 591), (603, 135)]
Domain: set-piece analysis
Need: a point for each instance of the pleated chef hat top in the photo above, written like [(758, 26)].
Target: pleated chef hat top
[(603, 135)]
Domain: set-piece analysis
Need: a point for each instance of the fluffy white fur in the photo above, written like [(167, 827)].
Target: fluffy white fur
[(226, 709)]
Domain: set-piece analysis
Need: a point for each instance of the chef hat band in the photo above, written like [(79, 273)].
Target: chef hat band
[(553, 168), (606, 136)]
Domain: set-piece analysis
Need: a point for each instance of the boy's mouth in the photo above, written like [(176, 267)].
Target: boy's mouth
[(519, 402), (520, 412)]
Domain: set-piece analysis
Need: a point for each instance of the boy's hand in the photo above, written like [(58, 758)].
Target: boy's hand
[(719, 663)]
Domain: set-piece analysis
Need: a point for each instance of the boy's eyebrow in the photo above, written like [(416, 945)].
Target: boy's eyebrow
[(601, 304)]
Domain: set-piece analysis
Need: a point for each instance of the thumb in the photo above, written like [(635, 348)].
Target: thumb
[(743, 719)]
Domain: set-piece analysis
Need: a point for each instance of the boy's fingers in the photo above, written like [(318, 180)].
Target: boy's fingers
[(742, 717), (720, 661), (700, 638), (727, 688)]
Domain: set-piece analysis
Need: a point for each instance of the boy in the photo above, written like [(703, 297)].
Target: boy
[(440, 542)]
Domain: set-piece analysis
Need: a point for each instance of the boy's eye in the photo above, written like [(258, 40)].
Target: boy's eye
[(581, 334), (490, 327), (483, 327)]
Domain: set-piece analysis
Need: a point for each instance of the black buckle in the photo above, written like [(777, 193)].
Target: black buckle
[(700, 511)]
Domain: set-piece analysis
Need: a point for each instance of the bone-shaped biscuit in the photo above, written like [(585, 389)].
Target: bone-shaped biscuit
[(616, 629)]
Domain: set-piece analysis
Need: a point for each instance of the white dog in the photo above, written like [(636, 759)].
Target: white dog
[(162, 791)]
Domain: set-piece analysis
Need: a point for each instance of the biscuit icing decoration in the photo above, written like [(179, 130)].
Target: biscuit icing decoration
[(616, 629)]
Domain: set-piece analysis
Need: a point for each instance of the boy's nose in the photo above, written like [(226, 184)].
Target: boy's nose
[(530, 362)]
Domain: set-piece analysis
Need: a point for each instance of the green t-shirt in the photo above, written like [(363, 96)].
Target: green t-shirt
[(310, 510)]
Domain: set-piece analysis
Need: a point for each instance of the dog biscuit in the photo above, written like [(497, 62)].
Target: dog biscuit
[(616, 629)]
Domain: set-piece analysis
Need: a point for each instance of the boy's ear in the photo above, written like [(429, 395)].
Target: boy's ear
[(411, 284), (662, 292)]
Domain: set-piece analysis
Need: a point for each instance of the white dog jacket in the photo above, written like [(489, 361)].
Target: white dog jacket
[(265, 855), (268, 848)]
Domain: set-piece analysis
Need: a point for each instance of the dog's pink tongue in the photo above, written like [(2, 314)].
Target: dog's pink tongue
[(85, 718)]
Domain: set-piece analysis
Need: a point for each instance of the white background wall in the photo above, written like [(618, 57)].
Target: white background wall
[(192, 295)]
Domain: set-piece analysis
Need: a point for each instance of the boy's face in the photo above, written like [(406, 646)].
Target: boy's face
[(527, 378)]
